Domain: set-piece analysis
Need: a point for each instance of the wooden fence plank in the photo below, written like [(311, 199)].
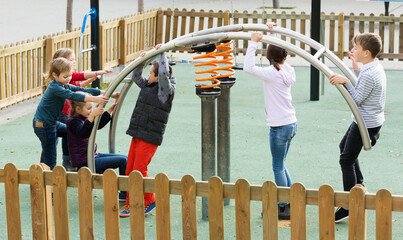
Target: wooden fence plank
[(201, 20), (123, 40), (383, 215), (210, 19), (162, 201), (192, 21), (298, 211), (340, 46), (220, 19), (11, 187), (24, 85), (48, 205), (351, 31), (303, 30), (168, 14), (137, 221), (391, 38), (332, 31), (242, 209), (18, 69), (38, 208), (175, 24), (326, 213), (7, 76), (283, 24), (216, 208), (400, 37), (85, 204), (60, 202), (361, 24), (183, 23), (189, 210), (160, 26), (270, 210), (382, 35), (357, 224), (12, 74), (2, 77), (111, 205)]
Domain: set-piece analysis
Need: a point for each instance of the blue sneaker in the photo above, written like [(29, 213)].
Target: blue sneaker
[(122, 196), (149, 208), (125, 211)]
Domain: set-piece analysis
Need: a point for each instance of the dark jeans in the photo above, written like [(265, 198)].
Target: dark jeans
[(63, 119), (48, 137), (350, 148), (104, 161)]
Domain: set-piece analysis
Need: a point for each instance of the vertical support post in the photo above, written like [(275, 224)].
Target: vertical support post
[(160, 26), (208, 96), (95, 53), (223, 132), (340, 45), (315, 35), (123, 41)]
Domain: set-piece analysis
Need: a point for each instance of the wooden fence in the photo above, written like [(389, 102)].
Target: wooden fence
[(22, 65), (41, 181)]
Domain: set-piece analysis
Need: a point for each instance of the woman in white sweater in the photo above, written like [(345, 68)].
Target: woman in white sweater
[(280, 114)]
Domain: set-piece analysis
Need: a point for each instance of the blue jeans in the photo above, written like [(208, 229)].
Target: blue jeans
[(63, 119), (48, 136), (104, 161), (280, 141)]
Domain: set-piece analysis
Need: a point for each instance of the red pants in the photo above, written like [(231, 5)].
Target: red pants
[(140, 155)]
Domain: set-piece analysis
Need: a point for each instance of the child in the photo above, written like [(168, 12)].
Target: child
[(369, 94), (89, 77), (45, 123), (277, 80), (148, 121), (79, 127)]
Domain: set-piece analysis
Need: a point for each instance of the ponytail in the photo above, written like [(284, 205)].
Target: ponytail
[(276, 55)]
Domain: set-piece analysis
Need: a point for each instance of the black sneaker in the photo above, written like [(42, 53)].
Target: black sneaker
[(284, 212), (340, 215)]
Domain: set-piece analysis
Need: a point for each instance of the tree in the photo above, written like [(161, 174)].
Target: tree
[(69, 15), (140, 6), (276, 4)]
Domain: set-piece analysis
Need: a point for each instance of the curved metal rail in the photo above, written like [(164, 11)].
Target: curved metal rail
[(217, 37)]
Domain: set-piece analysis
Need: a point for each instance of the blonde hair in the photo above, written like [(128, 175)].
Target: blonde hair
[(63, 52), (75, 104), (58, 66)]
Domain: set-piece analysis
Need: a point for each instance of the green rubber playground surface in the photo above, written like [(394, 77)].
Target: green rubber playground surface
[(312, 159)]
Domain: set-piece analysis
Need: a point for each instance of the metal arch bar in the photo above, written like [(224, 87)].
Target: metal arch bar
[(112, 129), (180, 43), (319, 53), (282, 31)]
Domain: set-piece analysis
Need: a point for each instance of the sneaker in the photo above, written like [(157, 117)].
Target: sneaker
[(122, 196), (67, 164), (284, 212), (340, 215), (125, 211), (149, 208)]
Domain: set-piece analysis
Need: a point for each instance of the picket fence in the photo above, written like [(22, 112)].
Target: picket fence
[(42, 181)]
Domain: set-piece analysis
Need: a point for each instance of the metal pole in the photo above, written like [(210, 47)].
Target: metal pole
[(208, 96), (315, 35), (223, 132), (95, 53)]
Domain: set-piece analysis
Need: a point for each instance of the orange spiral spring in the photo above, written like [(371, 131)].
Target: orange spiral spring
[(227, 58)]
